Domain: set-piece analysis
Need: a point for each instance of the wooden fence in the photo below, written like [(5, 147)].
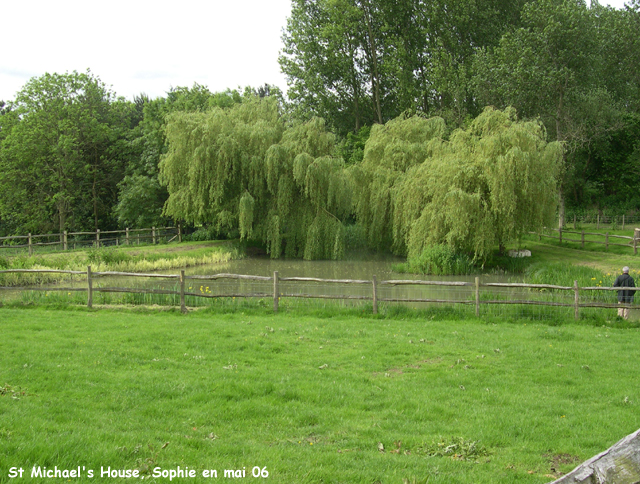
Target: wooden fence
[(633, 241), (276, 294), (597, 219), (98, 238)]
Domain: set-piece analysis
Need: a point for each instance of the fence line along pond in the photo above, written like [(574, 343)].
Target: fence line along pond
[(276, 288)]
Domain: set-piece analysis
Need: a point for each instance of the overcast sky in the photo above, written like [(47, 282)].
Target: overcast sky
[(138, 46)]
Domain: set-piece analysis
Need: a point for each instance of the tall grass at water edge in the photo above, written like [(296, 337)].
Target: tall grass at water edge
[(110, 259), (437, 260), (564, 274)]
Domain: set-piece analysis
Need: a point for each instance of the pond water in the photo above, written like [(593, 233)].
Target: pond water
[(382, 268), (364, 269)]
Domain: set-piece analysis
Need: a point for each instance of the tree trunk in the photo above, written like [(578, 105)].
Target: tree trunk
[(620, 464), (561, 211), (375, 75), (559, 137)]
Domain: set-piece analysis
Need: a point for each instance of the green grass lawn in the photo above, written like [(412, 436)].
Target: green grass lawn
[(338, 397)]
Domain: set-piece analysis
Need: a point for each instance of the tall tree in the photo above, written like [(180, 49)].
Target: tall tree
[(59, 141), (483, 188), (141, 196), (358, 62), (241, 169), (551, 68)]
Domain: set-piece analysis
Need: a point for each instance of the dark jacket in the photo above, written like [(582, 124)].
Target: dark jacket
[(625, 280)]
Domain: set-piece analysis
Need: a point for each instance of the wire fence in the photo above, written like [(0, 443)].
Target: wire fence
[(233, 290)]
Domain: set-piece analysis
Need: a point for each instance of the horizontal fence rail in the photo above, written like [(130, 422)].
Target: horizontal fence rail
[(583, 297), (633, 241), (601, 219), (72, 240)]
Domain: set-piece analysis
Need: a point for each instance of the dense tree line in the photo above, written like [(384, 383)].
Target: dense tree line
[(384, 127), (74, 156), (572, 65)]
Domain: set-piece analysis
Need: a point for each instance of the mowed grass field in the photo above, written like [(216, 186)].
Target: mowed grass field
[(336, 397)]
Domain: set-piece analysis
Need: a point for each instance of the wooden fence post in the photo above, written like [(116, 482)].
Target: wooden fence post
[(583, 239), (635, 246), (183, 306), (276, 292), (598, 224), (577, 300), (623, 222), (606, 240), (89, 288), (477, 296), (575, 226), (64, 241), (98, 238), (375, 295), (179, 233), (30, 246), (560, 232), (126, 237), (153, 235)]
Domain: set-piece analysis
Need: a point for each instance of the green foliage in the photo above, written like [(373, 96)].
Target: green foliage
[(141, 196), (484, 187), (570, 65), (359, 62), (140, 201), (487, 186), (352, 147), (61, 156), (242, 169), (354, 237), (390, 151), (107, 255), (203, 233), (439, 260), (565, 273), (456, 448)]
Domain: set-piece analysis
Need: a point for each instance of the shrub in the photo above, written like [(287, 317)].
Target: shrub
[(440, 260), (107, 255)]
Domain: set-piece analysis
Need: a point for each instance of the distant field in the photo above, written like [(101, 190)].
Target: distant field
[(337, 397)]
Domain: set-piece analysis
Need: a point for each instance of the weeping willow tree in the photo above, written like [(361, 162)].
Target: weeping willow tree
[(240, 168), (391, 150), (483, 188)]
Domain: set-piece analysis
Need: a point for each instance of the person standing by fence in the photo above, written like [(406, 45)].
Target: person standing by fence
[(624, 297)]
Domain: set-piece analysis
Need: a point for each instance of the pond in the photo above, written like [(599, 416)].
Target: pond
[(364, 269)]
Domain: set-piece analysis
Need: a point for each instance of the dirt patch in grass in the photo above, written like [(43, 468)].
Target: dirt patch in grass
[(559, 460)]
